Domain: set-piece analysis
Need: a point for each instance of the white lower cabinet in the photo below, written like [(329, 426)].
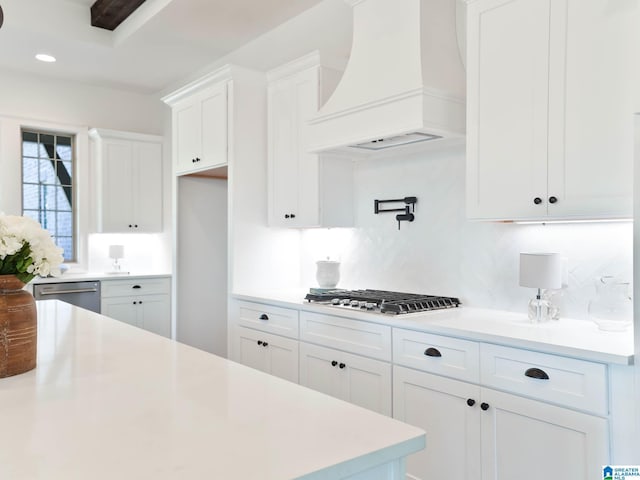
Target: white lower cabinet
[(270, 353), (529, 440), (363, 381), (439, 406), (474, 432), (144, 303)]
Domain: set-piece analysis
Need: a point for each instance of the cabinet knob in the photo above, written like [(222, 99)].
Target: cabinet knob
[(136, 226), (342, 365), (484, 406), (471, 402), (553, 199), (293, 215), (135, 303), (130, 226), (259, 342), (432, 352), (139, 302), (537, 200), (536, 373), (334, 363), (264, 316), (197, 159), (265, 344), (286, 215)]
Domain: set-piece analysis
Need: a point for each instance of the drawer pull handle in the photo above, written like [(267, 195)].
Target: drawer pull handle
[(484, 406), (537, 373), (136, 286), (471, 402), (432, 352), (264, 316)]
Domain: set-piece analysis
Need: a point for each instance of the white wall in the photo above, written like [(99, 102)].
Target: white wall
[(66, 106), (443, 253)]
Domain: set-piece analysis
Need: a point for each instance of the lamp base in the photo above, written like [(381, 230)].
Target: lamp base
[(540, 310)]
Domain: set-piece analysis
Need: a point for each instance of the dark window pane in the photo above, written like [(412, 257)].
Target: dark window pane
[(29, 137), (30, 170), (47, 172), (62, 173), (69, 167), (46, 145), (63, 148), (30, 197)]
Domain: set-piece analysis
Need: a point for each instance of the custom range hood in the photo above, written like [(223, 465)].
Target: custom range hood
[(404, 82)]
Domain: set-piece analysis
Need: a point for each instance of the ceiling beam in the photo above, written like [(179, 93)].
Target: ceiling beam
[(109, 14)]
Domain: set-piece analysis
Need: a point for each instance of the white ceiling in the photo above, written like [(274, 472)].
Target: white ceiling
[(161, 43)]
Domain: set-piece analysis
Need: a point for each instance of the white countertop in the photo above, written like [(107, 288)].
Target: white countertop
[(111, 401), (88, 276), (574, 338)]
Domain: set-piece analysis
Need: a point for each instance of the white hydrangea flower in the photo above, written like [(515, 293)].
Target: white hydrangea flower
[(45, 255)]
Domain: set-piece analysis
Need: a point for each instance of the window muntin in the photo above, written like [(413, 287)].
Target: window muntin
[(47, 185)]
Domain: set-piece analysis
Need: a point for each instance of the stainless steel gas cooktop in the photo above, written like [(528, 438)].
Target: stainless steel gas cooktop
[(382, 301)]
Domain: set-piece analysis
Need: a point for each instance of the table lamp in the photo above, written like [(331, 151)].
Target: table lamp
[(540, 270), (116, 252)]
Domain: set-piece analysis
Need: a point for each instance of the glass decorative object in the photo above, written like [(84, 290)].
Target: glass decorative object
[(612, 307)]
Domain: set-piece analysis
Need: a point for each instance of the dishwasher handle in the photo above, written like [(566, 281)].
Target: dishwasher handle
[(77, 290)]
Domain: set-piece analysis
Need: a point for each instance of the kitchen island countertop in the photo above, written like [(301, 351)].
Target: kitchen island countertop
[(108, 400)]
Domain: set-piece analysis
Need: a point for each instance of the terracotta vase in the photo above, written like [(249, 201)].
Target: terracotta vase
[(18, 327)]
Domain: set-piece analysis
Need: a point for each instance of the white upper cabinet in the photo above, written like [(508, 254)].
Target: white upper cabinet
[(129, 181), (200, 135), (305, 189), (549, 109)]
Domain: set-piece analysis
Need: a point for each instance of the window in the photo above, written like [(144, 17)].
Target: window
[(47, 185)]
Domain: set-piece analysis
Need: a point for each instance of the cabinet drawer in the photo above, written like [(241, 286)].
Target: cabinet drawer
[(370, 339), (451, 357), (574, 383), (281, 321), (131, 286)]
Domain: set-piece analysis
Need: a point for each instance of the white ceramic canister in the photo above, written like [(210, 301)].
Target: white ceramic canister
[(328, 273)]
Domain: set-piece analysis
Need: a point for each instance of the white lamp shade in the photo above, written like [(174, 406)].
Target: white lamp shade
[(541, 270), (116, 251)]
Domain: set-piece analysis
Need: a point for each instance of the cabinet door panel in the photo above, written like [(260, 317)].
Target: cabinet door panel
[(367, 383), (214, 127), (316, 371), (154, 313), (117, 188), (248, 351), (439, 406), (591, 109), (120, 308), (528, 440), (507, 108), (147, 178), (187, 124), (283, 358)]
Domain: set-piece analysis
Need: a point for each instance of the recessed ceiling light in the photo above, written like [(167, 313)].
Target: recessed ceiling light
[(43, 57)]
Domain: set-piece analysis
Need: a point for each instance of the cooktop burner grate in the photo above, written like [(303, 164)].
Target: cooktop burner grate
[(383, 301)]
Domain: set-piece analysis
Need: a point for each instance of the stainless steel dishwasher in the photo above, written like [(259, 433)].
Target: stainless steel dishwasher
[(81, 294)]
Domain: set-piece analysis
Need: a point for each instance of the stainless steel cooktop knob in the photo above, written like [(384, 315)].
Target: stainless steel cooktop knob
[(362, 304), (335, 301), (370, 306), (354, 303), (344, 301)]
